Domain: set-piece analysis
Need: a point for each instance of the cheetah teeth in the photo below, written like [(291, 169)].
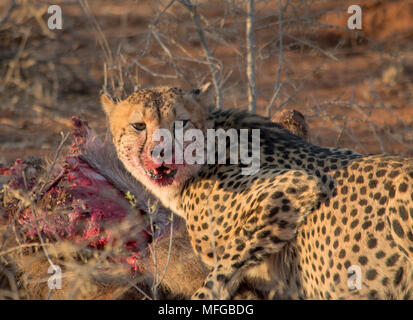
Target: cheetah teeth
[(161, 172)]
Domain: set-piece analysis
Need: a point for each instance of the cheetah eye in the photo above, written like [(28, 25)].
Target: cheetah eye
[(138, 126)]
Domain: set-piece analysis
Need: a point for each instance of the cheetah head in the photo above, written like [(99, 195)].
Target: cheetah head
[(134, 121)]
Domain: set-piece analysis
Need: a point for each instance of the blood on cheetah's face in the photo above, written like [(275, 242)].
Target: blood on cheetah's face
[(134, 121)]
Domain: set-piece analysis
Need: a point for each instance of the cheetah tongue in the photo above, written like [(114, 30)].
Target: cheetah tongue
[(161, 172)]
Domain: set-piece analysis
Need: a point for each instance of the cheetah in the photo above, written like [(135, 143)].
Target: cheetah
[(312, 223)]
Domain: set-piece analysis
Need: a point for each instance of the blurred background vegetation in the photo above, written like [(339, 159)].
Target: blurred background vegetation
[(354, 87)]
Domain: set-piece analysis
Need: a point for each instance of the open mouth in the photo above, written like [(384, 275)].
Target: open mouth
[(161, 173)]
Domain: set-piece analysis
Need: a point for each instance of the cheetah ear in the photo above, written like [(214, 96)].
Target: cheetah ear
[(204, 95), (107, 104)]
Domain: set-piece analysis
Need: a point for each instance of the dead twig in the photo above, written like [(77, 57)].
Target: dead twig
[(212, 66), (250, 35), (277, 86)]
